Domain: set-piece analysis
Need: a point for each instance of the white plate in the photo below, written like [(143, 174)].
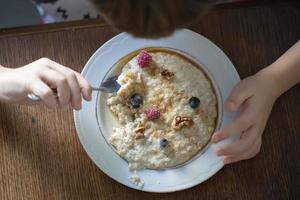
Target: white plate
[(199, 169)]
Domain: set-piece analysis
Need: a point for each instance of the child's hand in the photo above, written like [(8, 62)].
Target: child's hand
[(38, 78), (253, 98)]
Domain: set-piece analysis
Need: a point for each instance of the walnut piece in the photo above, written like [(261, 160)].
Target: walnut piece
[(180, 121), (167, 74), (139, 132)]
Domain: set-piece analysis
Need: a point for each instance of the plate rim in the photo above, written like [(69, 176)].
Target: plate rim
[(216, 167)]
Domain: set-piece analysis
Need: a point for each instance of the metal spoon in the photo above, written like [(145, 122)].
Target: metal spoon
[(110, 85)]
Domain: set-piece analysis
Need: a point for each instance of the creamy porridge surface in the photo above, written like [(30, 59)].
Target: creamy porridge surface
[(160, 126)]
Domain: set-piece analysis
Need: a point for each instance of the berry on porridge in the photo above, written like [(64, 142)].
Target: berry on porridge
[(144, 59), (152, 113)]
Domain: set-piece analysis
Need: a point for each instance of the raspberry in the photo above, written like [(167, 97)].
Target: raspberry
[(152, 113), (144, 59)]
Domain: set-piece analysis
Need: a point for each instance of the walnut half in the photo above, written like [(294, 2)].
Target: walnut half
[(180, 121), (139, 132)]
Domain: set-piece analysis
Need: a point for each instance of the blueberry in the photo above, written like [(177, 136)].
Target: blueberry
[(163, 143), (136, 100), (194, 102)]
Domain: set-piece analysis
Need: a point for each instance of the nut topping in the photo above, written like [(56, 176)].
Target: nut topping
[(139, 131), (180, 121), (167, 74)]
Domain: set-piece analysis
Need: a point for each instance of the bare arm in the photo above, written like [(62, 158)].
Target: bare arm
[(286, 69)]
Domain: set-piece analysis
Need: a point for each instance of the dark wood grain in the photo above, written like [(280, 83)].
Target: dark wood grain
[(41, 157)]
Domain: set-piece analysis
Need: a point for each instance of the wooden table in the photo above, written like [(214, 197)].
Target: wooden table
[(42, 158)]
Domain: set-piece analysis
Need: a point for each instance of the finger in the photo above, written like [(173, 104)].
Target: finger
[(254, 150), (42, 90), (59, 81), (75, 91), (241, 123), (240, 93), (240, 146), (230, 159), (72, 82), (86, 89), (249, 154)]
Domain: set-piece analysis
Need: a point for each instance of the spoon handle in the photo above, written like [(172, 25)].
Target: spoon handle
[(34, 97), (103, 89)]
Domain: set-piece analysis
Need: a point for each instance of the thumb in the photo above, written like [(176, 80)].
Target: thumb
[(240, 93)]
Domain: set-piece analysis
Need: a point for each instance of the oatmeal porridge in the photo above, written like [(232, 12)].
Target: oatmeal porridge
[(167, 109)]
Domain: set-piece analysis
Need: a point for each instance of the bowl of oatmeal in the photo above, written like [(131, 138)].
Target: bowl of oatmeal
[(166, 108), (153, 134)]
